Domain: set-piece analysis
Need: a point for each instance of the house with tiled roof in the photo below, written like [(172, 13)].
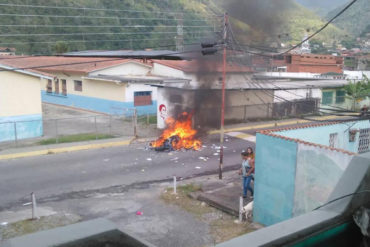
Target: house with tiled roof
[(298, 168), (109, 85), (20, 103)]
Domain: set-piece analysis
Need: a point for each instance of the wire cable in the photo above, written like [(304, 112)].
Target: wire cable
[(341, 197), (88, 8), (320, 29)]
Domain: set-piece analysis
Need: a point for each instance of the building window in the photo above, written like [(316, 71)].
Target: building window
[(340, 96), (142, 98), (56, 86), (64, 87), (78, 86), (333, 140), (49, 87), (327, 98)]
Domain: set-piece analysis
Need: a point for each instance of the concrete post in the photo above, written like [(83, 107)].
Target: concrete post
[(56, 131), (110, 124), (240, 209), (96, 129), (174, 185), (34, 207), (15, 134), (135, 122)]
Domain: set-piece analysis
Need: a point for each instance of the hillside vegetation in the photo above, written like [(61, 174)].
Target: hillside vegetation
[(355, 19), (141, 24)]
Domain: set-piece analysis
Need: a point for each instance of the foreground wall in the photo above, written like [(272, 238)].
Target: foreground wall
[(318, 171), (274, 179), (293, 178)]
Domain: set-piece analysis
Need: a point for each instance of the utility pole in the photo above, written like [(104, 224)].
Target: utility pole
[(222, 132)]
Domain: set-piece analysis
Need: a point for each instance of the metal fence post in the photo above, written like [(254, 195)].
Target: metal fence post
[(96, 129), (110, 124), (15, 134), (147, 119), (56, 131), (135, 122)]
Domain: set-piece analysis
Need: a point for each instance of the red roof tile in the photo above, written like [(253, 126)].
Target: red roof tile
[(65, 64), (270, 132)]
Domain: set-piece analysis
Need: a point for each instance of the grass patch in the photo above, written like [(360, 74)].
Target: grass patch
[(75, 138), (152, 119), (30, 226), (222, 226)]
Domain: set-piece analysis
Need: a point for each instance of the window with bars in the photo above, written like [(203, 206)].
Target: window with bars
[(56, 86), (142, 98), (340, 96), (64, 87), (78, 85), (327, 98), (49, 87), (333, 140)]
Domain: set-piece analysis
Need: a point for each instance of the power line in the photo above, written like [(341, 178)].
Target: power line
[(95, 26), (93, 9), (103, 17), (90, 41), (87, 34)]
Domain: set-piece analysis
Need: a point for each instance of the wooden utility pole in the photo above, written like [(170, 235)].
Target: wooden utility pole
[(222, 132)]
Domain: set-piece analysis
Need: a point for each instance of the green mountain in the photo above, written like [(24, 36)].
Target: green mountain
[(355, 20), (322, 7), (140, 24), (100, 24), (279, 21)]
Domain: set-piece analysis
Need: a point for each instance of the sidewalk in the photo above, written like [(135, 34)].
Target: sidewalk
[(222, 194), (23, 152)]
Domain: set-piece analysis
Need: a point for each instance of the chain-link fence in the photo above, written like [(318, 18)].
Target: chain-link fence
[(73, 129)]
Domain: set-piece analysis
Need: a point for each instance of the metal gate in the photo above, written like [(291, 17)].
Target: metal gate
[(364, 140)]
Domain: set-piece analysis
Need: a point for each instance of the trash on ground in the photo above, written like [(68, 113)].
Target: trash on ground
[(142, 170), (149, 159), (197, 167), (4, 223), (27, 203), (139, 213)]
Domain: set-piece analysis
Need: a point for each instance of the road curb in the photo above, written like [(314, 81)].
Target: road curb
[(65, 149)]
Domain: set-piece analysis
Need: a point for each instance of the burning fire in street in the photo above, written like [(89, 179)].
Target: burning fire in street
[(178, 134)]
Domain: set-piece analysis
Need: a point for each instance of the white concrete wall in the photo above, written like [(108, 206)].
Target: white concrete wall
[(353, 75), (162, 99), (162, 70), (129, 68), (295, 94), (19, 94)]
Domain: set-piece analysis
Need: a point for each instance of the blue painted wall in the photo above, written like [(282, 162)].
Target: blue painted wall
[(96, 104), (27, 126), (274, 179), (321, 134)]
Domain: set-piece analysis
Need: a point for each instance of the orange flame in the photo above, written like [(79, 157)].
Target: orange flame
[(181, 128)]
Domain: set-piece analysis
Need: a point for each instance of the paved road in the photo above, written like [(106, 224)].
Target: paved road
[(66, 175)]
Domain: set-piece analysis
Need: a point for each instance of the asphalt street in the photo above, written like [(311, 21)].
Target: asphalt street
[(69, 175)]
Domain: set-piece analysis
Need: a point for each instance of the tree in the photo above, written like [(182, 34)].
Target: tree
[(61, 47), (356, 91)]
